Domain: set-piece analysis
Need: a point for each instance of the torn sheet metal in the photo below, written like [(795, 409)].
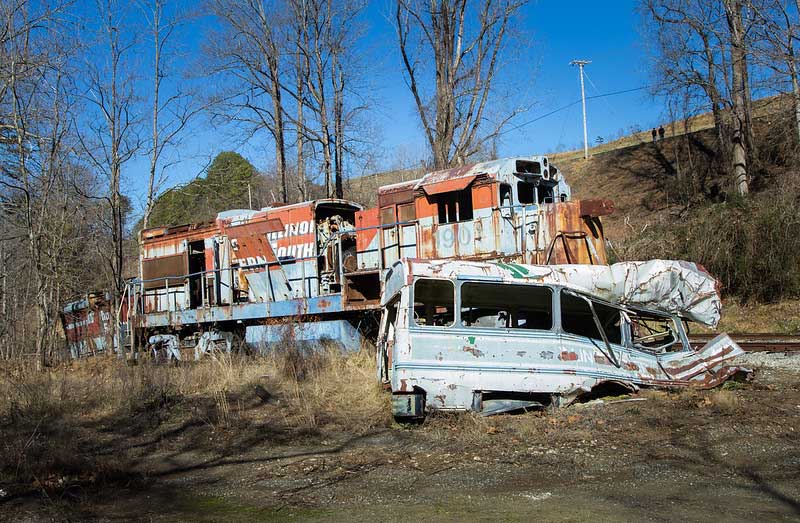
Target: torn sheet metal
[(674, 287)]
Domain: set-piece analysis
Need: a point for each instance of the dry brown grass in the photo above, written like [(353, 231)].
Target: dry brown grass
[(782, 317), (327, 387), (62, 427), (722, 401)]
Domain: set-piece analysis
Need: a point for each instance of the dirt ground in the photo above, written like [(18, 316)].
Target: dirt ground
[(729, 454)]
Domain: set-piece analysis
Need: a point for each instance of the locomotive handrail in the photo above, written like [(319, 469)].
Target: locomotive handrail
[(170, 291)]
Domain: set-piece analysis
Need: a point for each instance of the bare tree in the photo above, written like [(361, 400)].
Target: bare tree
[(776, 34), (249, 50), (35, 112), (301, 66), (172, 114), (463, 41), (325, 34), (701, 53), (317, 21), (111, 139)]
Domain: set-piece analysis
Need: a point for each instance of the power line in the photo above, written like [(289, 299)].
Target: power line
[(589, 79), (523, 124), (618, 92)]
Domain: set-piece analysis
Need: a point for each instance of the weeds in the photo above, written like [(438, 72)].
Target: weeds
[(49, 421), (753, 248)]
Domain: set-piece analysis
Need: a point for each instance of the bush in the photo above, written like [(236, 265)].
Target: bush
[(750, 244)]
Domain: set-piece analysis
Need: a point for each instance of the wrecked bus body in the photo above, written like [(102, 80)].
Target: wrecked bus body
[(495, 337)]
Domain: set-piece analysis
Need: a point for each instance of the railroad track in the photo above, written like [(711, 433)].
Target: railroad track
[(754, 342)]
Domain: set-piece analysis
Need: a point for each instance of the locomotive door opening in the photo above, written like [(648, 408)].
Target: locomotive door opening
[(197, 263)]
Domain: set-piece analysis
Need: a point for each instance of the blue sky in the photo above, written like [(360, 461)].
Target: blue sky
[(607, 33)]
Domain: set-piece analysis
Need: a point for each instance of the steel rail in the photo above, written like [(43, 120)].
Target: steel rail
[(755, 342)]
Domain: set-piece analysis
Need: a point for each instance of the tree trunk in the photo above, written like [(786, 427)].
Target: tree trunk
[(795, 90), (733, 10), (326, 156), (151, 182), (280, 142), (324, 123), (749, 134), (300, 125), (338, 124), (444, 27)]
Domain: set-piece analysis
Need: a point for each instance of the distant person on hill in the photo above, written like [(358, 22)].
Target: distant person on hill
[(661, 132), (653, 132)]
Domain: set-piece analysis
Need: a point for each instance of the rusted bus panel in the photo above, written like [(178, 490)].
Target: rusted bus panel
[(458, 363)]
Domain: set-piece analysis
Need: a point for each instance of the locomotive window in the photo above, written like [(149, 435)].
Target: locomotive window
[(434, 303), (506, 199), (387, 216), (545, 194), (525, 193), (577, 318), (407, 212), (492, 305), (465, 205), (455, 206), (526, 166)]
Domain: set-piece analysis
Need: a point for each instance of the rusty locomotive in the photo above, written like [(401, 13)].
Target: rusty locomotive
[(313, 270)]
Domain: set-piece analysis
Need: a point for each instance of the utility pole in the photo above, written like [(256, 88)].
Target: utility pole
[(580, 64)]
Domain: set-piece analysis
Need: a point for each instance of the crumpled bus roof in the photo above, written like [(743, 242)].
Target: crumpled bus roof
[(675, 287)]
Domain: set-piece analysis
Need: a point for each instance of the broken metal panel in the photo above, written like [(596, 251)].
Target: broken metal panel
[(263, 338), (455, 183), (249, 243), (87, 324), (706, 366)]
